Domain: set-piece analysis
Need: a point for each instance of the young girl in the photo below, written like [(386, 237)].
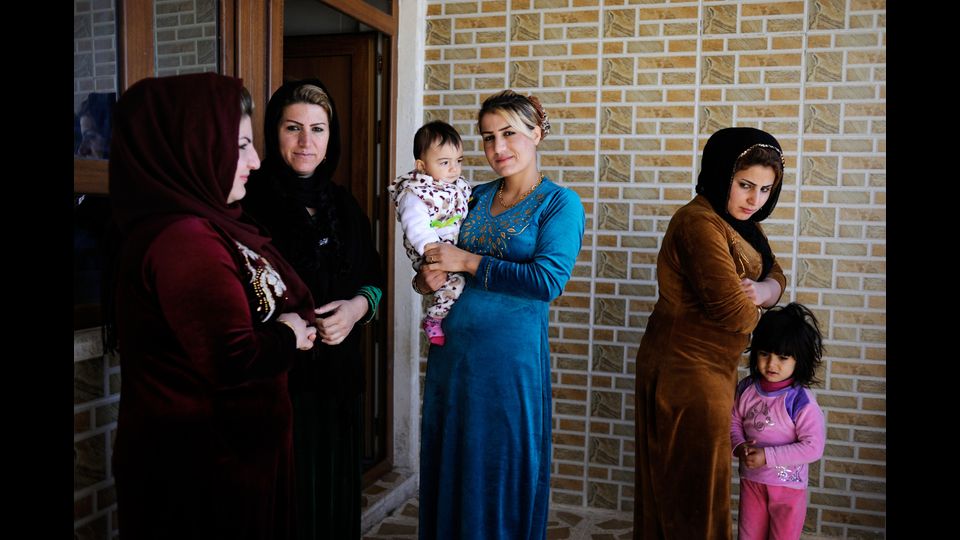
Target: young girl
[(431, 204), (777, 426)]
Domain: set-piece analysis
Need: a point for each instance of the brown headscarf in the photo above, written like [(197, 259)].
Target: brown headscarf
[(174, 152)]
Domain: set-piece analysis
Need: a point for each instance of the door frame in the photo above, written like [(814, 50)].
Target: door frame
[(251, 38)]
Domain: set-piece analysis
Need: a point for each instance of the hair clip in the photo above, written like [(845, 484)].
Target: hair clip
[(544, 121)]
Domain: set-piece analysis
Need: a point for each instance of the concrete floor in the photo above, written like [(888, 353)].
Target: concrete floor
[(391, 511), (575, 523)]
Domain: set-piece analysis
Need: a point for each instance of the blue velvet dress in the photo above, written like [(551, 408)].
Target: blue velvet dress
[(485, 435)]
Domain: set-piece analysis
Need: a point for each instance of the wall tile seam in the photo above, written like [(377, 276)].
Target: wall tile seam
[(858, 241), (621, 438), (473, 61), (850, 510), (858, 495), (850, 393), (846, 393), (870, 462), (94, 404), (859, 410), (92, 489), (86, 520), (95, 432), (92, 356), (839, 491), (848, 49), (111, 506)]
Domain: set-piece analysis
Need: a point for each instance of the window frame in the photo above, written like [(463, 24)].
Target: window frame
[(251, 41)]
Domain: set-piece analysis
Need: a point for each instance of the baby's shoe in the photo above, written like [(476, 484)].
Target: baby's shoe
[(431, 326)]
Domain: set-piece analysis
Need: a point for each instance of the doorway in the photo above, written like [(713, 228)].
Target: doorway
[(320, 42)]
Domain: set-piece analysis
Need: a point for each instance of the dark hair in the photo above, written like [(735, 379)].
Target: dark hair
[(790, 330), (94, 142), (246, 102), (432, 133), (761, 154)]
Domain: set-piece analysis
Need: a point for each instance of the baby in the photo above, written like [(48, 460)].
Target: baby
[(431, 204)]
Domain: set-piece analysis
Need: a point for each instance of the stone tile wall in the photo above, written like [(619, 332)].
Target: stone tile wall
[(96, 401), (634, 88), (94, 49), (186, 36)]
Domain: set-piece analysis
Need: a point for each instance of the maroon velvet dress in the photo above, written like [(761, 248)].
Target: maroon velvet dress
[(203, 447), (204, 436)]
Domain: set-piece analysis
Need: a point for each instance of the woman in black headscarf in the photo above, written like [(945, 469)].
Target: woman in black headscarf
[(321, 230), (208, 320), (715, 272)]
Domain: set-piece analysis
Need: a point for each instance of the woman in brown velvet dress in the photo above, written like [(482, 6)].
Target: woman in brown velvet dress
[(715, 271)]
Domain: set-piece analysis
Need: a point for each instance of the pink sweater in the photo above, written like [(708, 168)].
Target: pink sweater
[(787, 423)]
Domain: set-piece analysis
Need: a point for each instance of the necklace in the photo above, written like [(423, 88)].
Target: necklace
[(520, 198)]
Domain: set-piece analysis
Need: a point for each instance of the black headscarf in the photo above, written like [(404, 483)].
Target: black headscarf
[(271, 119), (316, 191), (720, 155), (333, 243)]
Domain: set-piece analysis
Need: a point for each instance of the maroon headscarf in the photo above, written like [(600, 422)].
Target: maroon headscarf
[(174, 152)]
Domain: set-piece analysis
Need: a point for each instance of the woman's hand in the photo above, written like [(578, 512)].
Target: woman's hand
[(336, 319), (761, 293), (443, 256), (305, 334)]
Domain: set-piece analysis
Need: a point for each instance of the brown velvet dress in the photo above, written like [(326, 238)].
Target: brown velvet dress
[(686, 376)]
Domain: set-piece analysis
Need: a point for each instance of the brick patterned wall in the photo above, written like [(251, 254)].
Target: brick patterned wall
[(186, 36), (96, 401), (186, 41), (634, 88), (94, 49)]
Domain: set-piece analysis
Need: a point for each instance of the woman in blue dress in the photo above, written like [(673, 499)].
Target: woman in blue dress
[(486, 428)]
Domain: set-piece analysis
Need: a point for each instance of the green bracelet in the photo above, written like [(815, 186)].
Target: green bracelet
[(373, 295)]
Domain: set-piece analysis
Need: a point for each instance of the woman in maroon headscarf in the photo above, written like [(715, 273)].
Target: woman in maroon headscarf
[(208, 321)]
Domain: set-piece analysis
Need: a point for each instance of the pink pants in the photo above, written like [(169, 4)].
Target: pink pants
[(770, 512)]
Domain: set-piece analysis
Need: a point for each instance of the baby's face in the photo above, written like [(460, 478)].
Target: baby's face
[(442, 162)]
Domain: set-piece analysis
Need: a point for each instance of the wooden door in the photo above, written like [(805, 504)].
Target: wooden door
[(346, 64)]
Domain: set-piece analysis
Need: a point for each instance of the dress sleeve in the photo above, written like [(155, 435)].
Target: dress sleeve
[(736, 426), (204, 302), (811, 437), (415, 221), (704, 257), (777, 274), (557, 246)]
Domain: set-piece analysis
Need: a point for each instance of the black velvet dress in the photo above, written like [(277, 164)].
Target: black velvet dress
[(333, 252)]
